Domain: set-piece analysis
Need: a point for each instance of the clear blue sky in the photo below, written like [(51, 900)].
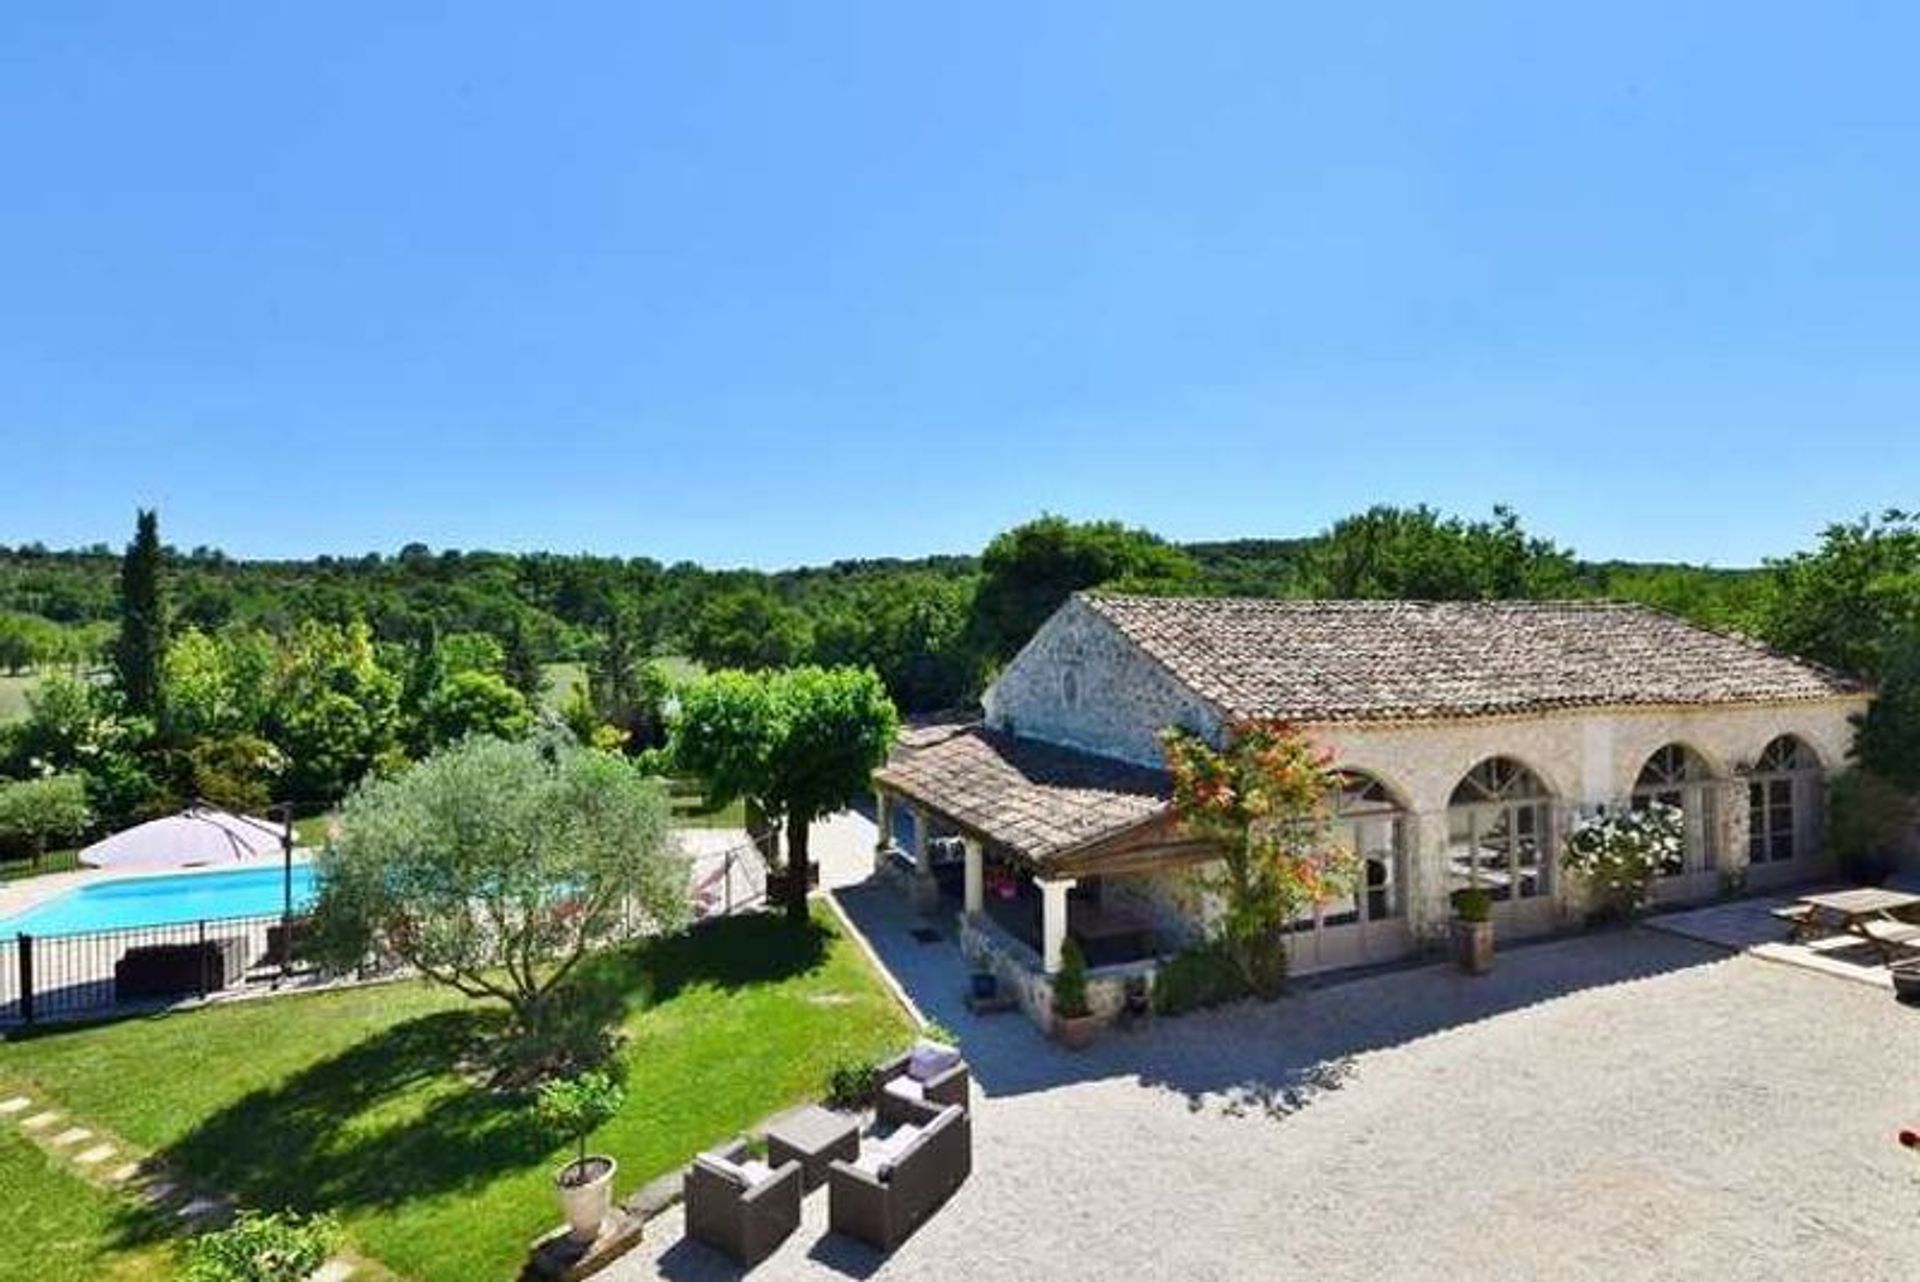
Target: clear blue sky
[(774, 284)]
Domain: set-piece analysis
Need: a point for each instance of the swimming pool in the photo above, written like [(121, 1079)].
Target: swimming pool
[(166, 899)]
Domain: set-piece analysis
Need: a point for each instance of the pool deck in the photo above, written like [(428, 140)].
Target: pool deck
[(18, 897)]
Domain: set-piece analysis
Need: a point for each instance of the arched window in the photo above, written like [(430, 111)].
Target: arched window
[(1781, 797), (1497, 831), (1676, 776), (1367, 822)]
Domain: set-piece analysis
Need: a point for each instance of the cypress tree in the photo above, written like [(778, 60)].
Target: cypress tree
[(524, 672), (141, 649)]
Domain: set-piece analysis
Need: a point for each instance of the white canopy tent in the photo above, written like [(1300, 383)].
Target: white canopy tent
[(196, 836)]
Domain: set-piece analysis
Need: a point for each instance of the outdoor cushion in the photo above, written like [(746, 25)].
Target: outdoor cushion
[(755, 1170), (878, 1156), (905, 1087), (930, 1059)]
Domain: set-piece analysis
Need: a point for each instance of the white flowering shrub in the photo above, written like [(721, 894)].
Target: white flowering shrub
[(1619, 853)]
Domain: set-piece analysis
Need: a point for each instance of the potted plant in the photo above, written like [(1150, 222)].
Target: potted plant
[(576, 1107), (1472, 929), (1073, 1020)]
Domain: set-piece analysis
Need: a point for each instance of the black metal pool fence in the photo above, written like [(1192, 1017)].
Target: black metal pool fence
[(64, 976), (98, 972)]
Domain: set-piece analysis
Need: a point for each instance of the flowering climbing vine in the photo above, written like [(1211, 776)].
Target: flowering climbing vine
[(1263, 799)]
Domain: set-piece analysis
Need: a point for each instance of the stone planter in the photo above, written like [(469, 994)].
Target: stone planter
[(1075, 1032), (586, 1194), (1473, 945)]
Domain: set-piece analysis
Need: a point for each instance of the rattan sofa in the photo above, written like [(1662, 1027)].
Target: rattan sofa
[(898, 1182)]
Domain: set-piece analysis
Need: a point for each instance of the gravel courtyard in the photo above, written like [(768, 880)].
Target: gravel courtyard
[(1622, 1105)]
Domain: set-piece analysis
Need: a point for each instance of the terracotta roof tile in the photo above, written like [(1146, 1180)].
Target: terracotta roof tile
[(1393, 660), (1035, 798)]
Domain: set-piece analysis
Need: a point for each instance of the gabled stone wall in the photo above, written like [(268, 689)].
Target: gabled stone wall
[(1083, 683)]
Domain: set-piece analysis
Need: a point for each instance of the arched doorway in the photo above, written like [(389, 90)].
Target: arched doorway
[(1499, 839), (1783, 804), (1675, 775), (1369, 923)]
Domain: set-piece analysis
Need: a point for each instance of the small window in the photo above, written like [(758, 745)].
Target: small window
[(1070, 687)]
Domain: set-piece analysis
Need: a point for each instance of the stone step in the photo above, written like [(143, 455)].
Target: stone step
[(40, 1120), (72, 1135), (95, 1155), (333, 1271), (157, 1192), (18, 1104), (121, 1174)]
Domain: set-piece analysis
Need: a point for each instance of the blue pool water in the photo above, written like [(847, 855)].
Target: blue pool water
[(164, 900)]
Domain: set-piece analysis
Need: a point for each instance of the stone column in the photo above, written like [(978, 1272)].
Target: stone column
[(1427, 906), (883, 839), (1053, 920), (926, 891), (1730, 814), (976, 877)]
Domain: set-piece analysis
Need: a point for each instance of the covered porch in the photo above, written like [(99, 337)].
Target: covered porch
[(1031, 844)]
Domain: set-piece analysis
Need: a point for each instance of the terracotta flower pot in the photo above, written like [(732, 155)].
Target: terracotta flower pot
[(1076, 1032)]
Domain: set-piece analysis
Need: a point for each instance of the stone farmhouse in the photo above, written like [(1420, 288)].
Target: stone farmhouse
[(1470, 735)]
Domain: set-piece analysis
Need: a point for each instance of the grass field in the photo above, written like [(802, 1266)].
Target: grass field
[(57, 1225), (356, 1101)]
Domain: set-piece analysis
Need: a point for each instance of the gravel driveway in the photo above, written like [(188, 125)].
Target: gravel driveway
[(1621, 1105)]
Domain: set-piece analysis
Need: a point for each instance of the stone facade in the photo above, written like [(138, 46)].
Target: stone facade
[(1085, 683), (1081, 682)]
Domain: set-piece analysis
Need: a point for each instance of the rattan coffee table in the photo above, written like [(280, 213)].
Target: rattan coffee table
[(813, 1137)]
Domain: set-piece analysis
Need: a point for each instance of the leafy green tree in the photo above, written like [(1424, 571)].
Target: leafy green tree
[(471, 652), (1853, 602), (474, 702), (336, 709), (1393, 553), (496, 868), (140, 655), (911, 629), (751, 629), (796, 744), (237, 772), (219, 684), (35, 813), (1888, 738), (1029, 571)]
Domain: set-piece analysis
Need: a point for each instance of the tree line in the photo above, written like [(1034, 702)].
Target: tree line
[(250, 682)]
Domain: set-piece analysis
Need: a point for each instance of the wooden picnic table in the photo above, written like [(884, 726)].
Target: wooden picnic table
[(1869, 913)]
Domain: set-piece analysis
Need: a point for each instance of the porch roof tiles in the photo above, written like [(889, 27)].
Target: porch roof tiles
[(1039, 800)]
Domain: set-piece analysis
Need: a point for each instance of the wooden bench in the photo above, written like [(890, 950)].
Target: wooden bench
[(1891, 937)]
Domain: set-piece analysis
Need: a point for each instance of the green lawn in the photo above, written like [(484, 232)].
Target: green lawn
[(57, 1225), (354, 1101)]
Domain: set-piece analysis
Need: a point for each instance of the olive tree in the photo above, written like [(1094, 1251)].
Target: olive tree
[(496, 868)]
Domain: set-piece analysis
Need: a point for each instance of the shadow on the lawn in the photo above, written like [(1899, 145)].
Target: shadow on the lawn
[(402, 1116)]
